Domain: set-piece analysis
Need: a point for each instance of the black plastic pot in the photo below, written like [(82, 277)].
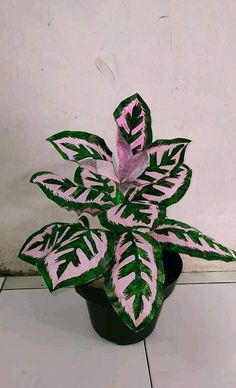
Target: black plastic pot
[(107, 323)]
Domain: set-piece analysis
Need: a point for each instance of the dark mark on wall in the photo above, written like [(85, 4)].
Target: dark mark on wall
[(163, 16)]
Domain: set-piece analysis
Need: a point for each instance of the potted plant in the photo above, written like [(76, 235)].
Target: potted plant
[(135, 253)]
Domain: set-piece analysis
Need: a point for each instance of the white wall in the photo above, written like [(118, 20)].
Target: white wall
[(66, 64)]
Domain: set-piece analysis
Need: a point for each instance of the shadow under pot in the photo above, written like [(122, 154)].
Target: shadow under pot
[(107, 323)]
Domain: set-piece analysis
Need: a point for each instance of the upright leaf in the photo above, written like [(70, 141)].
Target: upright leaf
[(167, 190), (79, 145), (134, 168), (165, 154), (67, 194), (134, 122), (134, 284), (69, 255), (124, 154), (179, 237)]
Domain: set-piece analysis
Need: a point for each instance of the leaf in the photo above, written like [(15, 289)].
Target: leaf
[(88, 176), (68, 254), (103, 167), (124, 153), (66, 194), (134, 122), (166, 155), (134, 284), (130, 215), (134, 168), (39, 244), (84, 222), (166, 191), (77, 145), (182, 238)]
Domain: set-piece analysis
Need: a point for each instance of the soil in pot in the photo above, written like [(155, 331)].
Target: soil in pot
[(104, 319)]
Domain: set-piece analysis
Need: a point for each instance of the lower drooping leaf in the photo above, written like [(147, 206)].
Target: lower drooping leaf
[(179, 237), (139, 214), (165, 191), (69, 254), (40, 243), (67, 194), (134, 284)]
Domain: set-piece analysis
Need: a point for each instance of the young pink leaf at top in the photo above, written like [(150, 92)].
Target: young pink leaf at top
[(124, 154), (77, 145), (179, 237), (134, 122), (130, 166), (67, 194), (134, 284), (135, 167)]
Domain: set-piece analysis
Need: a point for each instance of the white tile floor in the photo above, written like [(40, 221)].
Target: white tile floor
[(46, 341)]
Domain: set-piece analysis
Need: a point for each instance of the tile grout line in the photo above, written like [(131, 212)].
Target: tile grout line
[(24, 288), (205, 282), (148, 365), (21, 286), (3, 283)]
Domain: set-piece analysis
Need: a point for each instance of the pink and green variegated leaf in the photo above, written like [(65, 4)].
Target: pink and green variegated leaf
[(124, 153), (179, 237), (103, 167), (77, 145), (130, 166), (134, 284), (68, 254), (166, 191), (134, 122), (134, 167), (83, 221), (135, 215), (39, 244), (88, 176), (164, 156), (69, 195)]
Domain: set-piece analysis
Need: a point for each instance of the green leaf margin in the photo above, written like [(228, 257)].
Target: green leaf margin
[(88, 276), (118, 111), (91, 138), (110, 290)]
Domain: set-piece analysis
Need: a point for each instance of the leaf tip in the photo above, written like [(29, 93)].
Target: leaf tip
[(32, 179)]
